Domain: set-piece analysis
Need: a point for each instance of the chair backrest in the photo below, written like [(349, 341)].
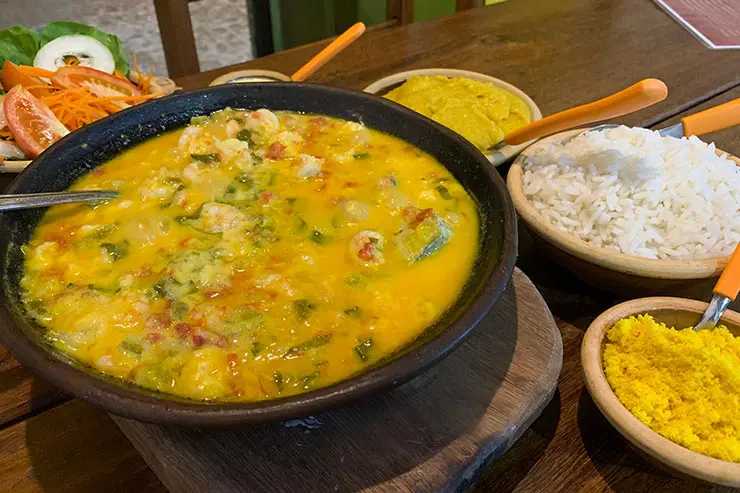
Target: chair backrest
[(178, 40), (401, 11)]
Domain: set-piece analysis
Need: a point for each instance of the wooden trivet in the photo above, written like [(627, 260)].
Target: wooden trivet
[(435, 433)]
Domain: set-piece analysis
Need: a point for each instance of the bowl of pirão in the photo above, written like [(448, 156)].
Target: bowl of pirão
[(673, 392), (60, 78), (274, 250), (481, 108), (630, 210)]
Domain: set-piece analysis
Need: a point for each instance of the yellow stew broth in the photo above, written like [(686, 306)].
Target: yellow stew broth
[(252, 255)]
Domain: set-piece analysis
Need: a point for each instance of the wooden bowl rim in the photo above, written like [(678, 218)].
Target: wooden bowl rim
[(604, 257), (392, 79), (227, 77), (670, 453)]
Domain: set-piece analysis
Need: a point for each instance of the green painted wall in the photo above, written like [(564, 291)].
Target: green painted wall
[(297, 22), (371, 11)]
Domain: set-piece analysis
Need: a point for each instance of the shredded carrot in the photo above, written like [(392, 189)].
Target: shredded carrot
[(42, 88), (144, 81), (134, 99), (76, 107), (35, 71)]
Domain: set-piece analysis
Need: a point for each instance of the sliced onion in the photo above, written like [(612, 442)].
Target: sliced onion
[(354, 210), (3, 121), (9, 151)]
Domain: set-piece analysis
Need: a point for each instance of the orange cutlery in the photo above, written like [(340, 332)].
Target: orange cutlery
[(332, 50)]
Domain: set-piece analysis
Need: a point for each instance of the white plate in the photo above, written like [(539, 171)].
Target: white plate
[(497, 157)]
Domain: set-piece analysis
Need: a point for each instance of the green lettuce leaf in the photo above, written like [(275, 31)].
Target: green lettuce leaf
[(112, 42), (19, 45)]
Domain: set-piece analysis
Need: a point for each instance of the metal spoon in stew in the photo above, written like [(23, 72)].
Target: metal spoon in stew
[(33, 200), (725, 291)]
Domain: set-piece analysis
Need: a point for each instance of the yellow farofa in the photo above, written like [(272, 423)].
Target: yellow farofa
[(683, 384), (479, 111)]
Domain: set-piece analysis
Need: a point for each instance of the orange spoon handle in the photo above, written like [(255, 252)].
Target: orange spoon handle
[(636, 97), (332, 50), (722, 116), (729, 282)]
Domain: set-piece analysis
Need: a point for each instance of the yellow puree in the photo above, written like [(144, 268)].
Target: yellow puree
[(478, 111), (251, 256), (683, 384)]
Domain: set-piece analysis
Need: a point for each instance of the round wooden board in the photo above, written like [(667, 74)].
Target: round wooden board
[(436, 433)]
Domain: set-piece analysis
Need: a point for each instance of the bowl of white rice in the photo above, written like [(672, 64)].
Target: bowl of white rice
[(628, 210)]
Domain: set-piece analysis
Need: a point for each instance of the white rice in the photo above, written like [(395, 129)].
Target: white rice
[(631, 190)]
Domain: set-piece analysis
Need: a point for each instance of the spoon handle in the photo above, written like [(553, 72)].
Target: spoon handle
[(725, 291), (332, 50), (717, 118), (33, 200), (728, 284), (636, 97)]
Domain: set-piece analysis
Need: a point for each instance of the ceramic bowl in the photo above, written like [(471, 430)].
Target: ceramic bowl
[(619, 273), (500, 156), (678, 460)]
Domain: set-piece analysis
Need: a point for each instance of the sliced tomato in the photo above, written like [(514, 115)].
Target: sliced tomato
[(100, 83), (31, 122), (12, 76)]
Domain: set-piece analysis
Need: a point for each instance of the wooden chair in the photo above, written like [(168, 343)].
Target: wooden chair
[(400, 11), (178, 40)]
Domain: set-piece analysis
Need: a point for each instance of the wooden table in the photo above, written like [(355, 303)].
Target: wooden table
[(562, 54)]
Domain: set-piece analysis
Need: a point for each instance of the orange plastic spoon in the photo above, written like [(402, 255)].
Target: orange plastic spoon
[(334, 48), (725, 291), (636, 97), (717, 118)]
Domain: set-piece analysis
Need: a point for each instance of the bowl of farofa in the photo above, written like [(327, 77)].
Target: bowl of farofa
[(388, 84), (667, 454), (601, 265)]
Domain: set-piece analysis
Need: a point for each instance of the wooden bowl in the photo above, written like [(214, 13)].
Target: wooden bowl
[(619, 273), (674, 458), (500, 156)]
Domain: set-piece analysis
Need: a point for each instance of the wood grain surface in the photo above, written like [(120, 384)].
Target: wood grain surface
[(562, 54), (21, 394), (432, 434), (573, 448), (73, 448)]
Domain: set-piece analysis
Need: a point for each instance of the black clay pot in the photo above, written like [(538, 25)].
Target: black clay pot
[(95, 144)]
